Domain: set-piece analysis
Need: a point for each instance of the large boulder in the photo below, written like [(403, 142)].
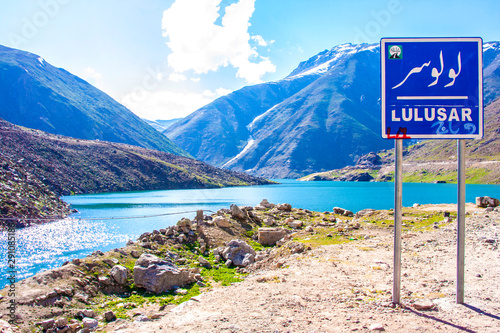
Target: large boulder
[(365, 212), (342, 211), (119, 274), (157, 275), (487, 202), (237, 213), (284, 206), (269, 236), (90, 323), (185, 225), (266, 204), (240, 253), (221, 222)]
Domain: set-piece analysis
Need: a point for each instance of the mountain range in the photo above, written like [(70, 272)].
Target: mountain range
[(323, 116), (431, 160), (37, 95)]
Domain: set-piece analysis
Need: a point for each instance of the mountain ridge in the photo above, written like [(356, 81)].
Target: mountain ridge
[(327, 122), (431, 160), (35, 94), (263, 150), (37, 167)]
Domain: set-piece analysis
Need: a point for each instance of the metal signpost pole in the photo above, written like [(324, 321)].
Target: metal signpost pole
[(431, 88), (461, 221), (398, 216)]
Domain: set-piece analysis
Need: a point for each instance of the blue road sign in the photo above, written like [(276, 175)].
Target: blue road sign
[(432, 88)]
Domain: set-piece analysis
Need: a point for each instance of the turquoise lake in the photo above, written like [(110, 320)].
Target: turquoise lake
[(48, 246)]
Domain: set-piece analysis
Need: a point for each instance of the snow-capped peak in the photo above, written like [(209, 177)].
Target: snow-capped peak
[(495, 46), (323, 61)]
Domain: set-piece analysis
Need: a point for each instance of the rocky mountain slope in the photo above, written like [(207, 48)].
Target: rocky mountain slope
[(23, 195), (432, 160), (324, 115), (37, 95), (37, 166)]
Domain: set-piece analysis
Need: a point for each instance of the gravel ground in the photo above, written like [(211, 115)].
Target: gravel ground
[(348, 287)]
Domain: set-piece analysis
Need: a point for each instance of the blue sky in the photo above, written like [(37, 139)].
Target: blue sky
[(165, 58)]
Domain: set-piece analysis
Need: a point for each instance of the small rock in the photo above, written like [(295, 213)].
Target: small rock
[(87, 313), (221, 222), (423, 305), (156, 315), (204, 262), (284, 207), (181, 291), (135, 253), (239, 252), (50, 323), (270, 236), (143, 318), (269, 221), (109, 316), (376, 327), (104, 280), (61, 322), (90, 323), (266, 204), (119, 274), (348, 213), (487, 202), (295, 224), (237, 213)]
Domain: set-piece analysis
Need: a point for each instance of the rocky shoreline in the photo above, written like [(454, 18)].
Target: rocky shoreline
[(145, 281), (37, 168)]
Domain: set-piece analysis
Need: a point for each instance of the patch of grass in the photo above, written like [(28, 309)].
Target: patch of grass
[(223, 275), (255, 245), (476, 175), (323, 236), (424, 176)]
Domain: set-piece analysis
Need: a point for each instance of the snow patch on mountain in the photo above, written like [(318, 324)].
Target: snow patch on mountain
[(251, 126), (323, 61), (495, 46), (249, 144)]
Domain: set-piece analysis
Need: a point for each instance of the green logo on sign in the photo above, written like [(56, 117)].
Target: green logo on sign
[(395, 52)]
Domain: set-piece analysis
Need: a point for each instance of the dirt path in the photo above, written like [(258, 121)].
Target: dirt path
[(348, 287)]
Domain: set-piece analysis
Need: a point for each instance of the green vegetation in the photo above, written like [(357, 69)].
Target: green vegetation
[(324, 236), (424, 176)]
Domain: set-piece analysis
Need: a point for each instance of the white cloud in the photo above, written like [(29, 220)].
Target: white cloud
[(198, 44), (93, 77), (163, 104), (259, 40), (176, 77), (222, 92)]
